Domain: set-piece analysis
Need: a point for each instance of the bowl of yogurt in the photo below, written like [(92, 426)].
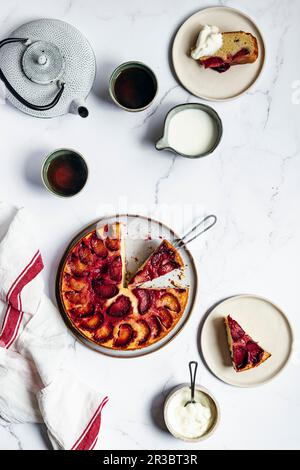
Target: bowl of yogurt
[(192, 130), (191, 422)]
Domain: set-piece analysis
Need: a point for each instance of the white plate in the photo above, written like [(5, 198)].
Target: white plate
[(262, 320), (209, 84), (142, 237)]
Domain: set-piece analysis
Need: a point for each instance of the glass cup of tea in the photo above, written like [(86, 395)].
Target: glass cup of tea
[(133, 86), (64, 172)]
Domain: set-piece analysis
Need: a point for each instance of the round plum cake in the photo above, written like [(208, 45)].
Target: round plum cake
[(106, 311)]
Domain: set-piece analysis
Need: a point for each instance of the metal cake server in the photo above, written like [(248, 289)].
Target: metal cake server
[(196, 231)]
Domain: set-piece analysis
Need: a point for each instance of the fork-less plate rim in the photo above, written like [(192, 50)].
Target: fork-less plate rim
[(109, 351), (269, 378), (262, 52)]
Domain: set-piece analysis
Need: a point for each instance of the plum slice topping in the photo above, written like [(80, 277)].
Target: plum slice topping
[(115, 269), (85, 310), (120, 307), (98, 246), (113, 244), (155, 326), (104, 333), (144, 331), (255, 352), (77, 283), (91, 323), (80, 298), (144, 300), (105, 290), (77, 267), (245, 351), (236, 330), (165, 318), (170, 302), (85, 255), (125, 335), (240, 356)]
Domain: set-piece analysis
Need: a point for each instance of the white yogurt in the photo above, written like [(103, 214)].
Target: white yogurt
[(192, 132), (191, 421)]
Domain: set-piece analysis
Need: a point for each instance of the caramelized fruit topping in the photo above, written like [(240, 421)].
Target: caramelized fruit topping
[(80, 298), (240, 54), (160, 263), (155, 326), (115, 269), (144, 331), (120, 307), (144, 300), (125, 335), (113, 244), (82, 310), (98, 246), (77, 267), (236, 330), (255, 352), (91, 323), (85, 255), (221, 65), (94, 271), (77, 283), (165, 318), (170, 302), (104, 333), (244, 350), (240, 357), (105, 290)]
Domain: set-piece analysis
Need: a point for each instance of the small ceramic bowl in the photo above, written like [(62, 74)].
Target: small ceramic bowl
[(163, 143), (215, 411), (59, 153), (121, 68)]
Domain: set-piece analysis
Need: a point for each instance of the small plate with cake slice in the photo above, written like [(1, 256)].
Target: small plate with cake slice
[(218, 53), (246, 340), (123, 288)]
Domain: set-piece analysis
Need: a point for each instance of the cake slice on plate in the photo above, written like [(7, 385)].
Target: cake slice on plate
[(245, 352), (227, 49), (162, 261)]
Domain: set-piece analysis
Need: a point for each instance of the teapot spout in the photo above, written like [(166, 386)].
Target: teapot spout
[(79, 107)]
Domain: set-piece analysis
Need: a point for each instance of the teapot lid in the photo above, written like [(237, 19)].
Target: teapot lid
[(43, 63), (52, 52)]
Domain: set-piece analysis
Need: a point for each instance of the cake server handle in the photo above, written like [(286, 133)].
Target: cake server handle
[(205, 224)]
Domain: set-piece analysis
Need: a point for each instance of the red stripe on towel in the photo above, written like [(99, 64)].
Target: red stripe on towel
[(17, 323), (14, 314), (29, 273), (89, 436), (21, 274)]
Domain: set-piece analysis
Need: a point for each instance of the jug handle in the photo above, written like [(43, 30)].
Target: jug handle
[(16, 94)]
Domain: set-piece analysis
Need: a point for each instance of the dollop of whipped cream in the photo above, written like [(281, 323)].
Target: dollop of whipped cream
[(208, 42)]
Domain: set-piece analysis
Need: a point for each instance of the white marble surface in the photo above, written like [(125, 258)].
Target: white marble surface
[(251, 183)]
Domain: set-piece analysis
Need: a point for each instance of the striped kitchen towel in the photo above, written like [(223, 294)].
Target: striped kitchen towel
[(36, 384)]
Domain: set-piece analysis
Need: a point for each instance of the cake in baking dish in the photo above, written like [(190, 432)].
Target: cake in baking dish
[(102, 308)]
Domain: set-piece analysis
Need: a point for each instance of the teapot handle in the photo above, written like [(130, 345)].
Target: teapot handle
[(16, 94)]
